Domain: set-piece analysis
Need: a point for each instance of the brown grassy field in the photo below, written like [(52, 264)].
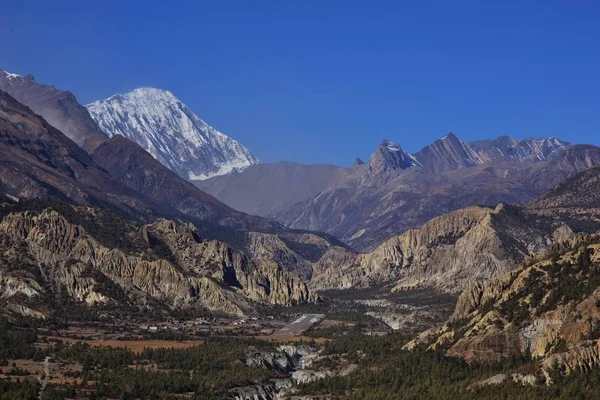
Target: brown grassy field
[(134, 345), (283, 338), (334, 322)]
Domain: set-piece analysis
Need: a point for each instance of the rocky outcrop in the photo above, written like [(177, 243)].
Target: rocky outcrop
[(448, 252), (258, 279), (300, 363), (548, 308), (288, 358), (194, 272)]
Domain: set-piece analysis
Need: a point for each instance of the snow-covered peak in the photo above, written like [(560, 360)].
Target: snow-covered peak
[(10, 75), (144, 95), (164, 126), (538, 149), (390, 156), (507, 149)]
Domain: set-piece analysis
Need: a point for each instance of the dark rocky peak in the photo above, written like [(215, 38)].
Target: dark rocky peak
[(447, 153), (389, 156), (358, 161)]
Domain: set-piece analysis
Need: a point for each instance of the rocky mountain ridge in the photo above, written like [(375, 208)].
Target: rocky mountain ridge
[(547, 308), (365, 208), (122, 265), (131, 165), (59, 108), (448, 253), (167, 129)]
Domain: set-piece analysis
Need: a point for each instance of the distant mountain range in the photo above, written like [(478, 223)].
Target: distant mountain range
[(111, 224), (168, 130), (368, 203)]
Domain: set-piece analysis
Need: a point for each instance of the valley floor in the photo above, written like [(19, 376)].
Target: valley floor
[(346, 351)]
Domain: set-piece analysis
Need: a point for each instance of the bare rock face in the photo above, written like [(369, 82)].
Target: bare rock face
[(448, 153), (260, 280), (548, 308), (187, 271), (448, 252), (271, 247)]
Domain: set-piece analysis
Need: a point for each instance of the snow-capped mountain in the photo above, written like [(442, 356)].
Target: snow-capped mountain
[(390, 156), (506, 148), (165, 127), (447, 153), (451, 153)]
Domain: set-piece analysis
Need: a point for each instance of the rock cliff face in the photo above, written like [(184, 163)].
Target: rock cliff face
[(167, 262), (448, 153), (548, 308), (448, 252)]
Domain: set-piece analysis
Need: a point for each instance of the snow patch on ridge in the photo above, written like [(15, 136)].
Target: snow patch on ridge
[(11, 75)]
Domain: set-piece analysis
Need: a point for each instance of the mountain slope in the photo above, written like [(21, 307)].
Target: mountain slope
[(171, 133), (506, 148), (59, 108), (448, 153), (37, 160), (130, 164), (93, 258), (265, 189), (580, 191), (474, 244), (448, 252), (548, 308), (373, 204)]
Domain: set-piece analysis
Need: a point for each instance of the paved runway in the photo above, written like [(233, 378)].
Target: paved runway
[(302, 324)]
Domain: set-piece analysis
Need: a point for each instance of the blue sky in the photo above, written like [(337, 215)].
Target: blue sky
[(326, 81)]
